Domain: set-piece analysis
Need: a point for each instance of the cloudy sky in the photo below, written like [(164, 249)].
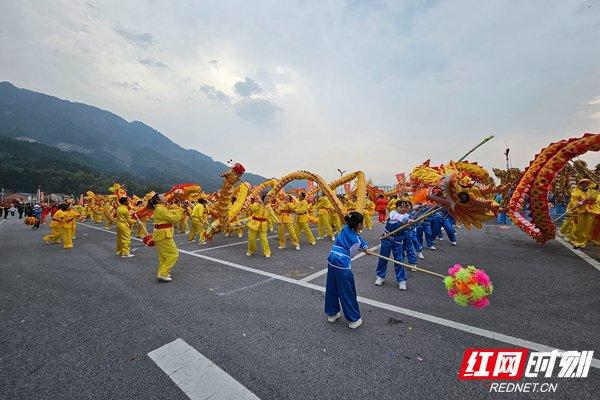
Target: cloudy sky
[(372, 85)]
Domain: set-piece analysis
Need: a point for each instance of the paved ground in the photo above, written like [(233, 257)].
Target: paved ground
[(79, 324)]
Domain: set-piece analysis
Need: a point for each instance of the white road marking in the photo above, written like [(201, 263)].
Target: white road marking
[(415, 314), (234, 244), (246, 287), (324, 271), (580, 253), (197, 376)]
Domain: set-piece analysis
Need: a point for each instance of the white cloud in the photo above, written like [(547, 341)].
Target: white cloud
[(378, 86)]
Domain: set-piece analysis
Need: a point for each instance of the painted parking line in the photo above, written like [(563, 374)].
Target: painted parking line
[(580, 253), (197, 376), (324, 271), (389, 307)]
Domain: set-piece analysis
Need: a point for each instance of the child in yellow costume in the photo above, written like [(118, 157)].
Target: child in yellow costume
[(324, 226), (286, 223), (124, 222), (56, 231), (68, 225), (97, 213), (258, 225), (584, 202), (302, 209), (368, 213), (198, 223), (164, 220)]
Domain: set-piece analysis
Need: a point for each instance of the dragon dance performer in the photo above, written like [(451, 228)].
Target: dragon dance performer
[(396, 244), (164, 220), (68, 218), (302, 209), (286, 218), (108, 214), (584, 204), (124, 222), (56, 231), (257, 226), (391, 206), (324, 224), (341, 287), (198, 223), (368, 213), (381, 208)]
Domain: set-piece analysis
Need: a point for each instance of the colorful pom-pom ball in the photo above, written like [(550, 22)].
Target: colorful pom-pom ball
[(469, 286)]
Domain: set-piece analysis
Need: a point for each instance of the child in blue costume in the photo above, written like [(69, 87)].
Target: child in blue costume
[(396, 244), (340, 286), (424, 227)]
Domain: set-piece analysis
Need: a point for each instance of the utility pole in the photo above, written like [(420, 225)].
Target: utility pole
[(2, 202)]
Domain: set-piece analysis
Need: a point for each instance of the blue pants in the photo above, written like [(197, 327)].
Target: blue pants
[(396, 247), (416, 243), (425, 228), (502, 218), (341, 288), (445, 223)]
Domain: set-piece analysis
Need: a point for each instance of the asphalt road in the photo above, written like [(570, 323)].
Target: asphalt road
[(78, 324)]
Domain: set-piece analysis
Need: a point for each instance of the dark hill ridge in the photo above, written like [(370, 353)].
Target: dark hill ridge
[(109, 144)]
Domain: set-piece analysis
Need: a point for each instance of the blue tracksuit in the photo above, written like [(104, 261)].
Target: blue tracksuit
[(340, 287), (425, 228), (396, 245), (443, 221)]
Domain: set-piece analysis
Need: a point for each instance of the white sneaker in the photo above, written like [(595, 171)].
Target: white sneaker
[(298, 247), (227, 234), (281, 247), (241, 236), (430, 247), (164, 278), (190, 241), (412, 265), (201, 243), (371, 228), (127, 255), (440, 239), (379, 281), (355, 324), (420, 255), (333, 238), (319, 238), (248, 254), (268, 255), (313, 243), (116, 254), (334, 318), (453, 243), (402, 285)]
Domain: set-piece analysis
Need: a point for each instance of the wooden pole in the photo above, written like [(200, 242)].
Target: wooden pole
[(408, 266)]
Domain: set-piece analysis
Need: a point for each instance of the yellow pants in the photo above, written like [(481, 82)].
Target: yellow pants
[(108, 223), (184, 227), (97, 218), (324, 226), (582, 231), (167, 256), (54, 237), (263, 241), (67, 237), (567, 227), (336, 225), (291, 231), (197, 230), (123, 239), (368, 220), (305, 228), (74, 230)]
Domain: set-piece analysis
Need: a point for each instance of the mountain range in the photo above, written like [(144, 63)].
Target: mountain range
[(98, 142)]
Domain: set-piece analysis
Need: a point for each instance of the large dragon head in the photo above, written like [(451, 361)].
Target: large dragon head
[(457, 186)]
